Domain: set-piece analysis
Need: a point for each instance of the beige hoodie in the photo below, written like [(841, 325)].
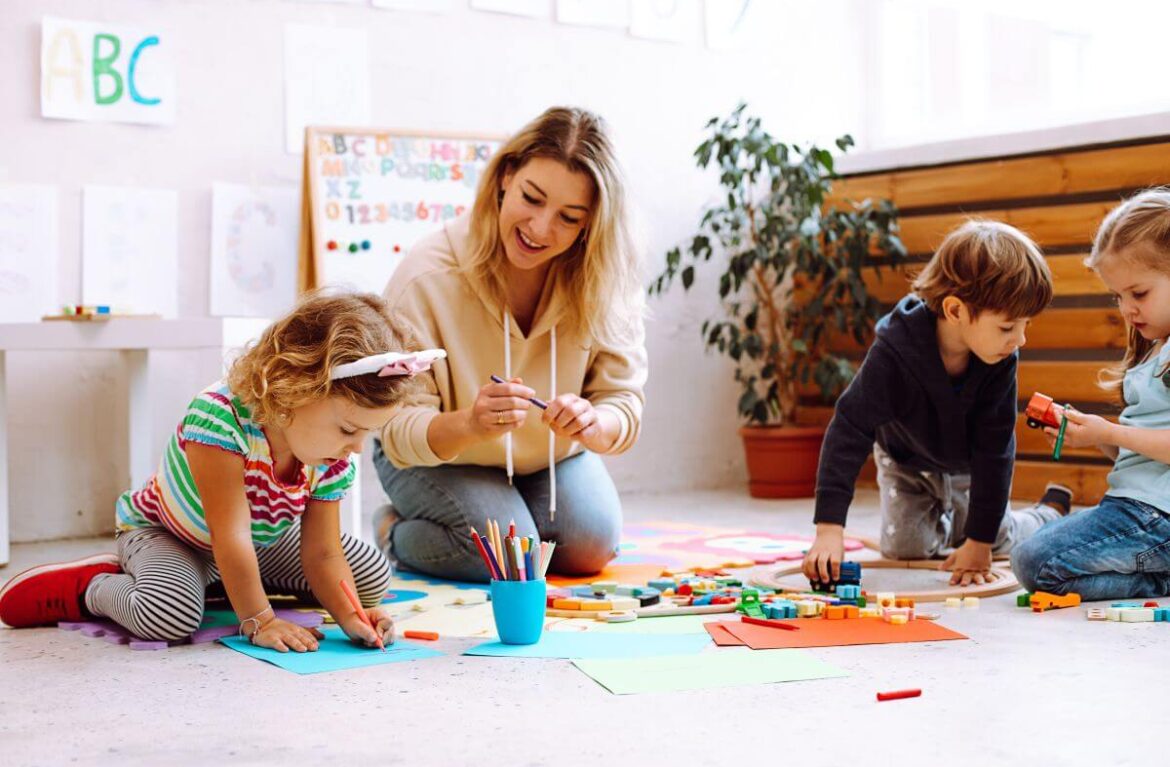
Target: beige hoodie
[(447, 311)]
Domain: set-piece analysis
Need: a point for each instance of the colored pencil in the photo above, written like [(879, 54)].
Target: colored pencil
[(357, 605), (512, 529), (547, 558), (485, 551), (501, 555), (519, 559), (1060, 437), (475, 538), (534, 400)]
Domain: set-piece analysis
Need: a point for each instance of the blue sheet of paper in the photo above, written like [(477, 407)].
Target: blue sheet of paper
[(587, 644), (334, 653)]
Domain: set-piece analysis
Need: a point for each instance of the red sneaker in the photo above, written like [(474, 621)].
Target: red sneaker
[(43, 595)]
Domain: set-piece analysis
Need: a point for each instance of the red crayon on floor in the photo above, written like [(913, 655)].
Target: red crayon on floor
[(899, 694), (772, 624)]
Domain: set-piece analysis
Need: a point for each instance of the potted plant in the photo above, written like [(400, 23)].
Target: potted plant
[(792, 279)]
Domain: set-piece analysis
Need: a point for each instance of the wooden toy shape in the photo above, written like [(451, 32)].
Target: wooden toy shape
[(780, 579)]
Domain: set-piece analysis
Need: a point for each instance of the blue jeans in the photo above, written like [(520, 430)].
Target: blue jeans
[(438, 505), (1119, 549)]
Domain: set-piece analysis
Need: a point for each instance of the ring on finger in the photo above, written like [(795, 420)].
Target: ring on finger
[(499, 417)]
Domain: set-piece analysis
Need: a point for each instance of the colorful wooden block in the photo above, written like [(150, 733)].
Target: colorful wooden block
[(1137, 615), (970, 602), (1042, 601)]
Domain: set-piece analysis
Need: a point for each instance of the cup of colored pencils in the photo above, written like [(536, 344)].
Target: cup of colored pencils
[(517, 565)]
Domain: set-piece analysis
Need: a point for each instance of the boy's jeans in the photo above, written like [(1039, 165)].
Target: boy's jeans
[(1118, 549), (924, 513)]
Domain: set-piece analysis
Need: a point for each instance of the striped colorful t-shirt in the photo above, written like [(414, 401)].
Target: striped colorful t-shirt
[(217, 418)]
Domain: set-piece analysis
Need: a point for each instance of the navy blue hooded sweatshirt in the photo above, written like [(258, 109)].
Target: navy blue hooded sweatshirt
[(903, 399)]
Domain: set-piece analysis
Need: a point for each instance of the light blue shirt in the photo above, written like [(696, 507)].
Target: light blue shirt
[(1147, 406)]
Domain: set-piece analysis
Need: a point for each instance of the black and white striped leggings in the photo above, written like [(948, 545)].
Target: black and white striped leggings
[(160, 593)]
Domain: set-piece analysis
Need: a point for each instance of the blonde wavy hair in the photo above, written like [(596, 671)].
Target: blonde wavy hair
[(1137, 231), (598, 278), (290, 364)]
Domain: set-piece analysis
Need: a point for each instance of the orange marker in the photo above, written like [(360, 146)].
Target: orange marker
[(357, 605), (429, 635)]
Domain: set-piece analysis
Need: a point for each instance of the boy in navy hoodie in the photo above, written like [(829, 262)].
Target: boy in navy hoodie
[(935, 401)]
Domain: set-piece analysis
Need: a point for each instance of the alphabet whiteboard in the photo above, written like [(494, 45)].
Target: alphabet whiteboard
[(370, 193)]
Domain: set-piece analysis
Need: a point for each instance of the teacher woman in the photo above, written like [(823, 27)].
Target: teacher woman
[(539, 285)]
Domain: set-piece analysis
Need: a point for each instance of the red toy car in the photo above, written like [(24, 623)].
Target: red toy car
[(1041, 412)]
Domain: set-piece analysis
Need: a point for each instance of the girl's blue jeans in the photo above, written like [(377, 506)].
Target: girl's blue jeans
[(1119, 549)]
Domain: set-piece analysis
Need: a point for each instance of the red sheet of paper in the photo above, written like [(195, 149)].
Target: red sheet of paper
[(723, 637), (624, 574), (819, 632)]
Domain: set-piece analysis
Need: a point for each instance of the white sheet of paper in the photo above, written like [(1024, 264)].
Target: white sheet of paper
[(129, 249), (133, 80), (326, 79), (28, 252), (675, 21), (537, 9), (253, 249), (594, 13)]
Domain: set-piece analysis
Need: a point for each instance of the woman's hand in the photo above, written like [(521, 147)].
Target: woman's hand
[(359, 631), (282, 636), (500, 408), (574, 417)]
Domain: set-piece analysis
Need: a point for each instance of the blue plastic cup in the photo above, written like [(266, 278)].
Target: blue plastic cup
[(518, 607)]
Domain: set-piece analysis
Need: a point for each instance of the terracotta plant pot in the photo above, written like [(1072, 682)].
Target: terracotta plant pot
[(782, 460)]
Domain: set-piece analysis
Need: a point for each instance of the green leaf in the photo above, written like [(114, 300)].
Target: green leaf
[(688, 277)]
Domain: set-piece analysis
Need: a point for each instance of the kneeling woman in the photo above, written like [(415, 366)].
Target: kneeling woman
[(539, 287)]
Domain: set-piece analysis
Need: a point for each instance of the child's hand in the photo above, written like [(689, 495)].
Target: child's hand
[(970, 564), (822, 562), (356, 629), (282, 636), (1083, 429)]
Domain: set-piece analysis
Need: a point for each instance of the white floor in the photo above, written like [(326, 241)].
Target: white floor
[(1051, 689)]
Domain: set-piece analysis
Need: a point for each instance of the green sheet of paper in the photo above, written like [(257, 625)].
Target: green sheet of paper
[(334, 653), (728, 667)]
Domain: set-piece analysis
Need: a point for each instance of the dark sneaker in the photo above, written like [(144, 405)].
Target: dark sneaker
[(1058, 497)]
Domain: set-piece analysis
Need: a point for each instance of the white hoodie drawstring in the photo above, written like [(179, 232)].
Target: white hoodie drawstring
[(508, 377), (552, 437)]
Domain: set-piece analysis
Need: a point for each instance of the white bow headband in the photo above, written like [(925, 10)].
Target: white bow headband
[(390, 364)]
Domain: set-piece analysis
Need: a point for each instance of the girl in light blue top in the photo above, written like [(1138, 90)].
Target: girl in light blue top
[(1121, 547)]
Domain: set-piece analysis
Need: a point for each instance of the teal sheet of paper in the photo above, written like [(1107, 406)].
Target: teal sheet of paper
[(334, 653), (728, 667), (588, 644)]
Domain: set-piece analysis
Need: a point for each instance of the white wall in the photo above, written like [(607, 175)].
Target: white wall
[(464, 70)]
